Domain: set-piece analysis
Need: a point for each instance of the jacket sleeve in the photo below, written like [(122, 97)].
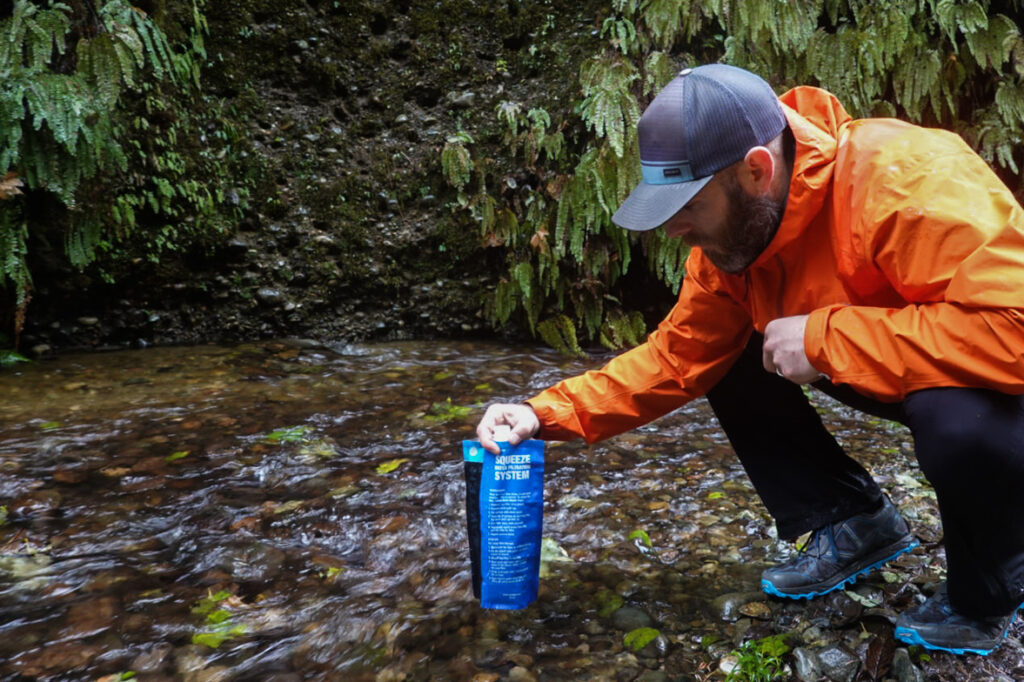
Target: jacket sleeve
[(685, 356), (948, 238)]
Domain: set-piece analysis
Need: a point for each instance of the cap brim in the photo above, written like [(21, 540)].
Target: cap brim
[(649, 206)]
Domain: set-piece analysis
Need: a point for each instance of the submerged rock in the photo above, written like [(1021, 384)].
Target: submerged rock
[(629, 618)]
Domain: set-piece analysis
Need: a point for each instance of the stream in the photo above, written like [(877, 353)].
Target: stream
[(293, 511)]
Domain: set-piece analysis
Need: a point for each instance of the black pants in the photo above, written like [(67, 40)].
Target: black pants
[(969, 444)]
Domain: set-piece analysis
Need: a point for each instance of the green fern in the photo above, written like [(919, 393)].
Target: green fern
[(560, 333), (621, 33), (61, 128), (456, 162), (992, 46), (952, 63), (608, 107), (668, 21), (13, 249), (622, 330)]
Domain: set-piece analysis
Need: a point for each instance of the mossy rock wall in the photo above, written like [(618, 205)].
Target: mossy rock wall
[(348, 235)]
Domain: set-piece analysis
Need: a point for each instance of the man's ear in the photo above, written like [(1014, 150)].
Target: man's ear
[(756, 171)]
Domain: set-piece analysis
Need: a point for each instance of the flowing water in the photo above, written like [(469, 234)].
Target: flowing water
[(289, 511)]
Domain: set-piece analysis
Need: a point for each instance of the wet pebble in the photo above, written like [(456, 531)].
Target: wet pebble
[(36, 503), (629, 618), (155, 659), (838, 663), (61, 657), (88, 618), (904, 669), (269, 296), (728, 606), (756, 609), (462, 100), (808, 665), (842, 609), (258, 563), (489, 655), (70, 476), (521, 674)]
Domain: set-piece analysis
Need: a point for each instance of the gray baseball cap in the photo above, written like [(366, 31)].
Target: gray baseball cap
[(706, 119)]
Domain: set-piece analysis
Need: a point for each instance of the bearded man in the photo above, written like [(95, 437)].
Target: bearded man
[(879, 261)]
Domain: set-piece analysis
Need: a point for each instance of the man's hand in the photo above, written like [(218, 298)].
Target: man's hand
[(519, 417), (783, 350)]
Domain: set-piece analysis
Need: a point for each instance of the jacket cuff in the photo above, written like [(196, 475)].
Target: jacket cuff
[(550, 420), (814, 340)]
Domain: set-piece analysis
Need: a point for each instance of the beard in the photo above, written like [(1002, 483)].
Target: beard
[(750, 225)]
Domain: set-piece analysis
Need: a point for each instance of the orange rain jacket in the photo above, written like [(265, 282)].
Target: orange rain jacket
[(900, 243)]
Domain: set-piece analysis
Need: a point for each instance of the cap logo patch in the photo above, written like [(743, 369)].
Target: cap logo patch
[(666, 173)]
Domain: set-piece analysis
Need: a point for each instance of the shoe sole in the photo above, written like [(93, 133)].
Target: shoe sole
[(909, 636), (866, 565)]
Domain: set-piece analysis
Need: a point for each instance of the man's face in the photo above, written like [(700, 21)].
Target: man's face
[(732, 227)]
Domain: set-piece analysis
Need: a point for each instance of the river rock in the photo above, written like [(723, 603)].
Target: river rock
[(521, 674), (839, 664), (808, 665), (257, 563), (36, 503), (154, 660), (758, 610), (87, 618), (904, 669), (727, 606), (629, 618), (269, 296), (842, 610), (462, 100)]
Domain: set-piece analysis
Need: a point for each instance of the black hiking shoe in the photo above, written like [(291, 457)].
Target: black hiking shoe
[(935, 625), (839, 553)]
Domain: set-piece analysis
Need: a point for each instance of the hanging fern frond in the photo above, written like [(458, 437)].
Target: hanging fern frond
[(560, 333), (991, 47), (61, 118), (608, 107), (456, 162)]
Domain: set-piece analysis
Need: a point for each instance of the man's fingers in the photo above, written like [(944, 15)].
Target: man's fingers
[(520, 418)]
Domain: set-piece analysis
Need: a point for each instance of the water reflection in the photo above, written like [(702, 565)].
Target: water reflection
[(222, 513)]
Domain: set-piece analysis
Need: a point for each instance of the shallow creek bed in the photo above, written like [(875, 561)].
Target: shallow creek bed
[(295, 511)]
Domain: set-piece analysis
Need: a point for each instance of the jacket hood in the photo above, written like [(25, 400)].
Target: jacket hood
[(817, 120)]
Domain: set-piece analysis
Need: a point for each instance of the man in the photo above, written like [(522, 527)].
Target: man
[(879, 261)]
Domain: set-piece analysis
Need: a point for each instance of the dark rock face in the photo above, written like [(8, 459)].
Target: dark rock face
[(348, 233)]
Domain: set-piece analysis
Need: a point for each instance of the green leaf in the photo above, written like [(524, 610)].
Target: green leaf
[(210, 602), (218, 616), (639, 638), (391, 465), (210, 639), (447, 411), (642, 536), (293, 434), (175, 456)]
